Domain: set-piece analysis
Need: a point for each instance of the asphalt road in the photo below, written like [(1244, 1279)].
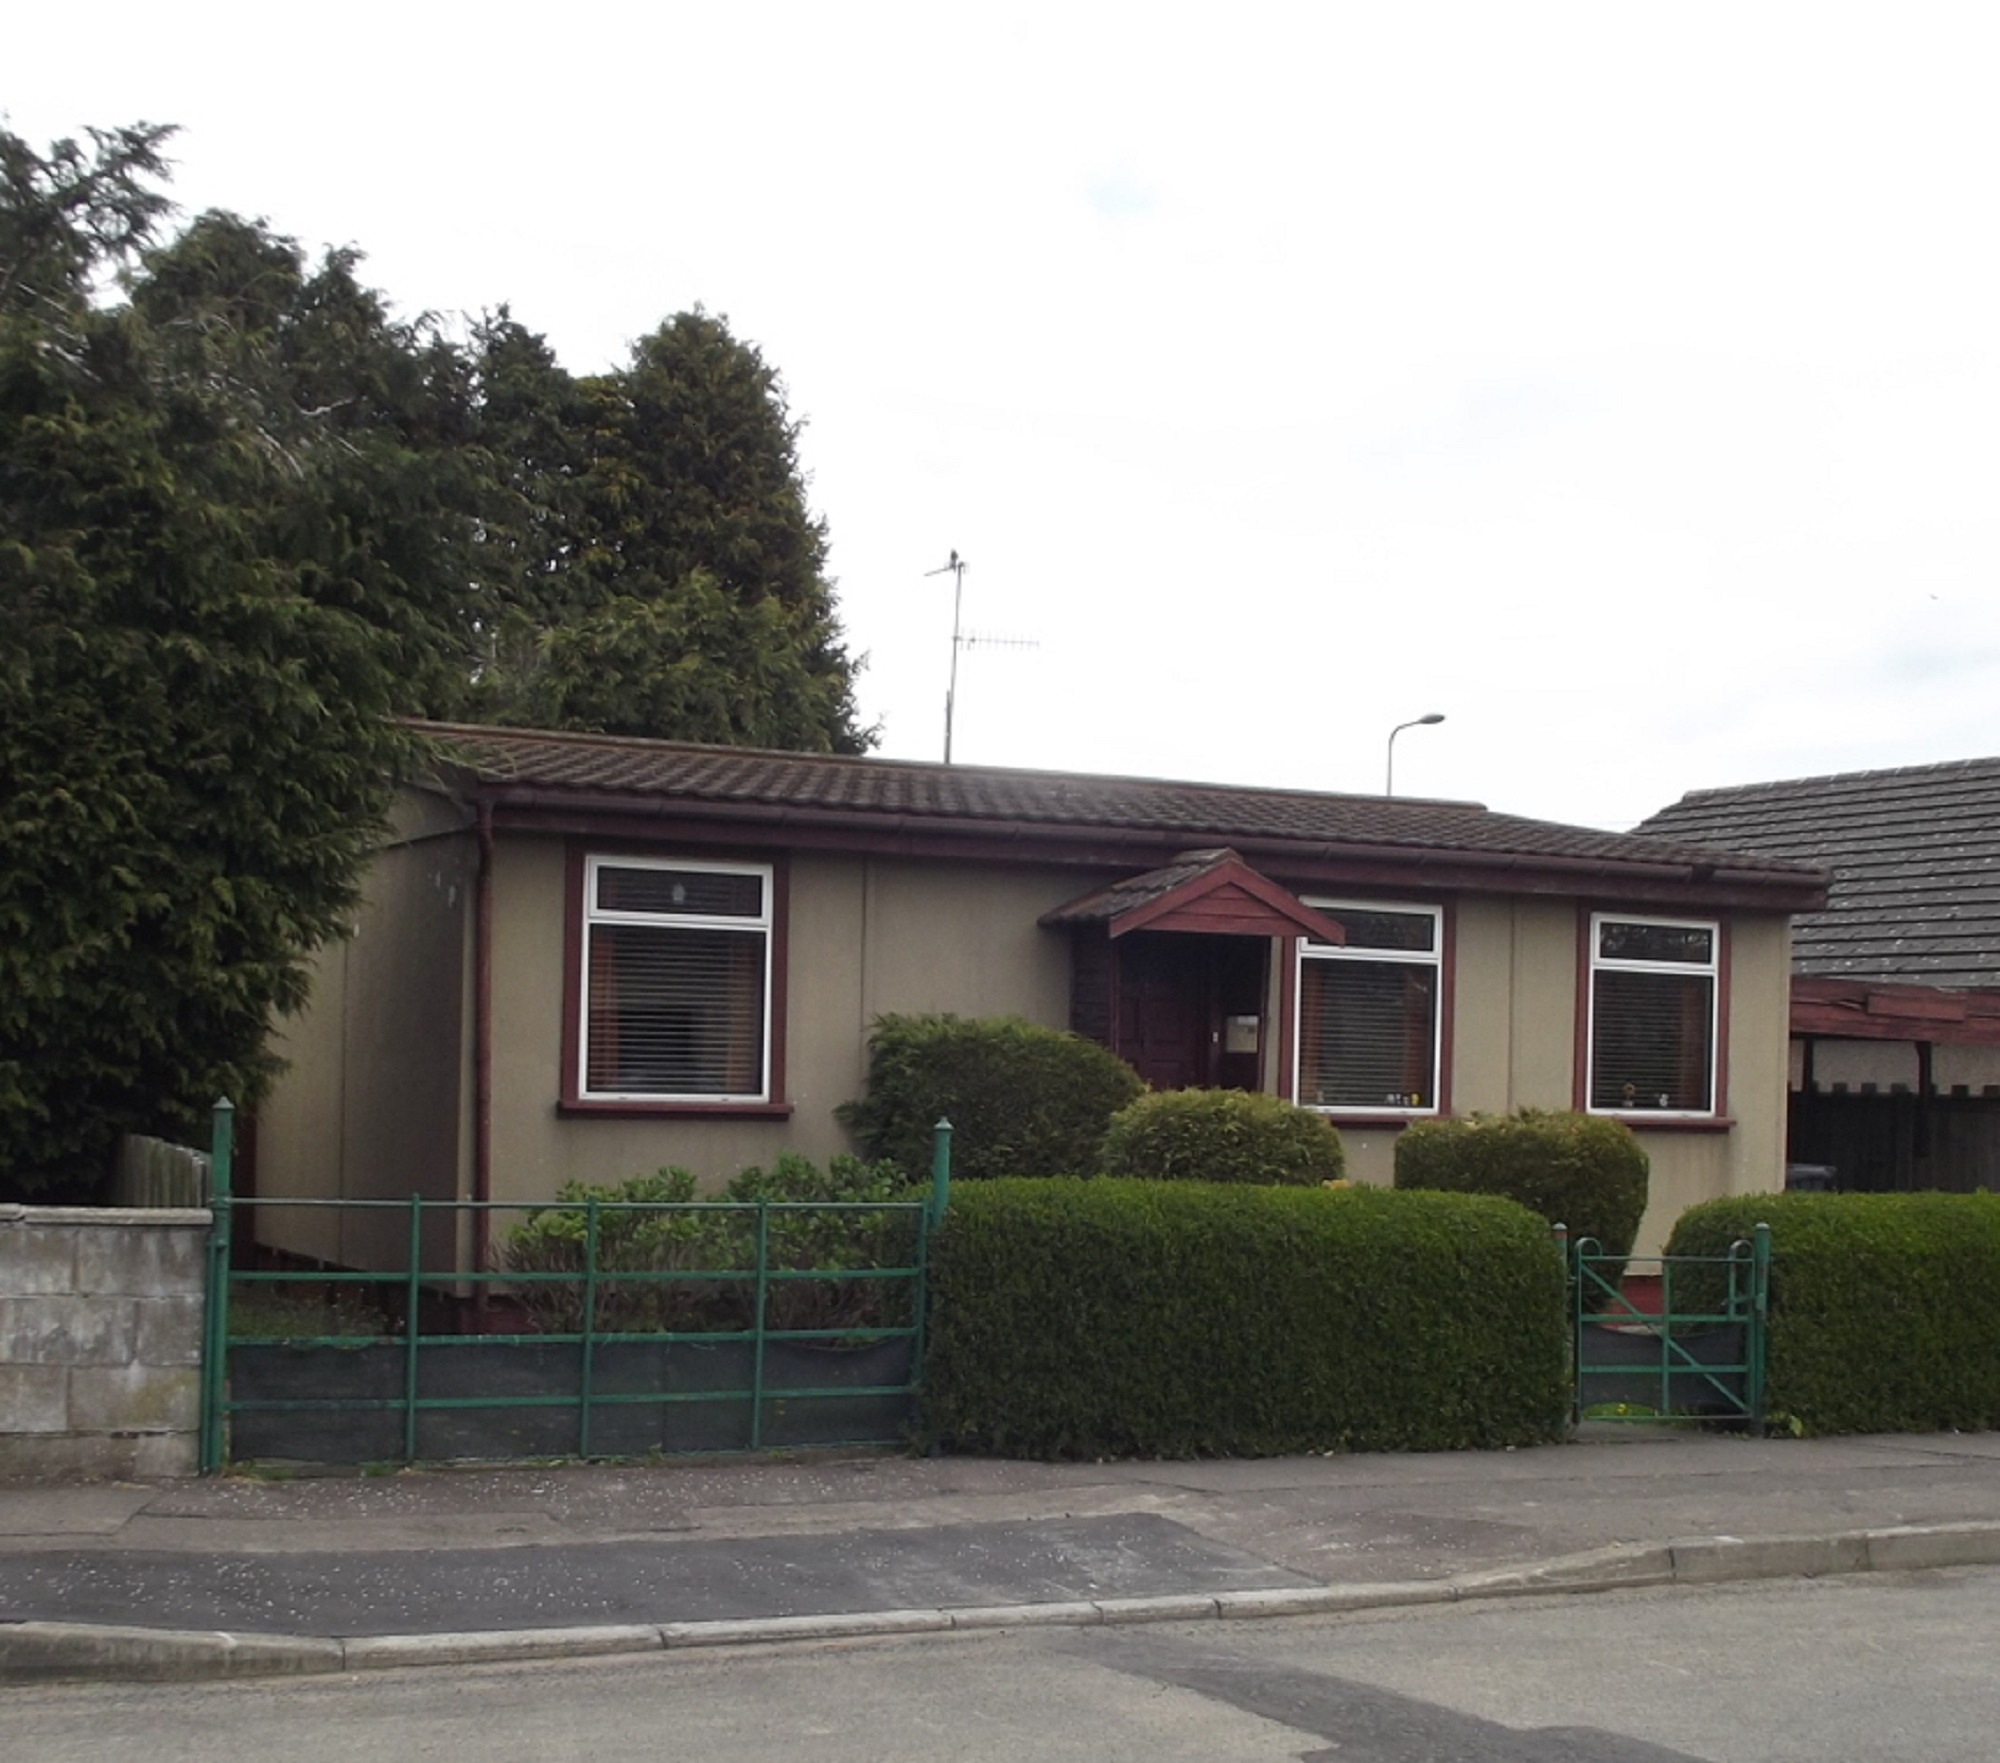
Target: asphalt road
[(1876, 1667)]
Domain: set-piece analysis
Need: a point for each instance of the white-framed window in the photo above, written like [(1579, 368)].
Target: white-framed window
[(1654, 994), (1369, 1017), (675, 1004)]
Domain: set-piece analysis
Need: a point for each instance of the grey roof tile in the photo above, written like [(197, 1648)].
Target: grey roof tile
[(1915, 856)]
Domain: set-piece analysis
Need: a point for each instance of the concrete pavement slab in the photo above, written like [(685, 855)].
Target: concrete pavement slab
[(29, 1514)]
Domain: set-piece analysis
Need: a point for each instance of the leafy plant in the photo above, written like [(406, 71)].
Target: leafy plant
[(697, 1260), (1022, 1099), (819, 1240), (1577, 1170), (645, 1225), (1221, 1135)]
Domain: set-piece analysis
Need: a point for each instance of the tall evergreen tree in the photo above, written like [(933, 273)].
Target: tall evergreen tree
[(247, 519), (219, 577), (662, 574)]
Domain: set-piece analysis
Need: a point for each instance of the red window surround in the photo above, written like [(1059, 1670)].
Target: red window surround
[(570, 1099)]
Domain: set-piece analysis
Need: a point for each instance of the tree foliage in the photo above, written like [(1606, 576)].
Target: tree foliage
[(654, 568), (248, 518), (218, 581)]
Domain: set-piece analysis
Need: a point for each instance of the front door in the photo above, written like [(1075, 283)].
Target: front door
[(1189, 1008)]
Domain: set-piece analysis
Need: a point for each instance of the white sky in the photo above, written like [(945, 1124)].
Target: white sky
[(1621, 381)]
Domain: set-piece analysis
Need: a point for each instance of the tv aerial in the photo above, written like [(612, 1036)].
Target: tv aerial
[(963, 639)]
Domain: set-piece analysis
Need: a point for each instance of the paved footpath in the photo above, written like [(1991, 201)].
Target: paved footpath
[(236, 1575)]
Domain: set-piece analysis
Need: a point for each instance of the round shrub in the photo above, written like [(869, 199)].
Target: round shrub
[(1575, 1169), (1022, 1099), (1221, 1135)]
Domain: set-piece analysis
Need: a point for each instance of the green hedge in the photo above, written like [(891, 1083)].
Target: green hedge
[(1221, 1135), (1885, 1308), (1575, 1169), (1022, 1099), (1179, 1319)]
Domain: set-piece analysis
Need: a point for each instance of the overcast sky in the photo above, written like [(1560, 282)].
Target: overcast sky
[(1619, 381)]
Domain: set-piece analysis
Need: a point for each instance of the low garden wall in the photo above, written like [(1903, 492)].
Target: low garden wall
[(100, 1340)]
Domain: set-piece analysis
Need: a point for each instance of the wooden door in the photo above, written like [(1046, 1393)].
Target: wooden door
[(1175, 993)]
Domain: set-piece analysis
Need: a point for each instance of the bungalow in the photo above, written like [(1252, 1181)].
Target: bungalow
[(1895, 1065), (582, 957)]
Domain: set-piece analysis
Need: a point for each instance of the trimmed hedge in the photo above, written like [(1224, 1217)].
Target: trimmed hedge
[(1885, 1308), (1221, 1135), (1181, 1319), (1575, 1169), (1022, 1099)]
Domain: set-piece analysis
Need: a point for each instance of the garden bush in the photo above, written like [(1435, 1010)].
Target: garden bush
[(873, 1229), (1573, 1169), (1177, 1319), (1022, 1099), (1221, 1135), (1885, 1308), (651, 1224)]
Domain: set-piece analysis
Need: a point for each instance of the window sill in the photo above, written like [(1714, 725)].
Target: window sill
[(1640, 1121), (1373, 1120), (625, 1109)]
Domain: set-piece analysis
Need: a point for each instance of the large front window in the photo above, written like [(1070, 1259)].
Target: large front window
[(677, 981), (1368, 1025), (1653, 1000)]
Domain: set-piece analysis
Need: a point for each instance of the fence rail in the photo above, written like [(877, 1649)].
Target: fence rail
[(761, 1347)]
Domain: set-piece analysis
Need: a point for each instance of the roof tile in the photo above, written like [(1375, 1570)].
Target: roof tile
[(1207, 814), (1915, 856)]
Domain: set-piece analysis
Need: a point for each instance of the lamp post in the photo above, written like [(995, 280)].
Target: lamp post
[(1389, 778)]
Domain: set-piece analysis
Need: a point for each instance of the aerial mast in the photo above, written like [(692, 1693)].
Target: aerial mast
[(956, 570)]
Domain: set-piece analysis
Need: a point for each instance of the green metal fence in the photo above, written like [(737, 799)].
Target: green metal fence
[(383, 1370), (1699, 1354)]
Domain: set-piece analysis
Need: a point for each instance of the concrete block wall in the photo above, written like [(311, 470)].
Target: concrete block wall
[(100, 1341)]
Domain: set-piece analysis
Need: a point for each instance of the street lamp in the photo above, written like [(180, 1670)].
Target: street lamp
[(1389, 779)]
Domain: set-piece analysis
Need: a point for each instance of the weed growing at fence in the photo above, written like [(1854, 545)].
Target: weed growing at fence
[(289, 1312)]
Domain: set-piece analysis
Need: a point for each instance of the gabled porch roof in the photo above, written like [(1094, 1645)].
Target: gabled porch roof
[(1210, 892)]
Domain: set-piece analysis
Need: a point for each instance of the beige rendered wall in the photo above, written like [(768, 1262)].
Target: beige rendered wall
[(372, 1105), (1688, 1167), (1513, 1045), (866, 936)]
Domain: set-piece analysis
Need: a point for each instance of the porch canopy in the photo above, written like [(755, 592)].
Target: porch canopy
[(1185, 1009), (1211, 892)]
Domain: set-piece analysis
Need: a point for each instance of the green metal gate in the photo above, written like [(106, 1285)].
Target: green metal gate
[(390, 1389), (1700, 1354)]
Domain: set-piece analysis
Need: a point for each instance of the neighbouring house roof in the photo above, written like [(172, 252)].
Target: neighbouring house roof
[(589, 782), (1214, 891), (1915, 859)]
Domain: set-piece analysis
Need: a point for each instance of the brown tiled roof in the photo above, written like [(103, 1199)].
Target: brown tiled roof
[(1105, 904), (524, 765), (1915, 856)]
